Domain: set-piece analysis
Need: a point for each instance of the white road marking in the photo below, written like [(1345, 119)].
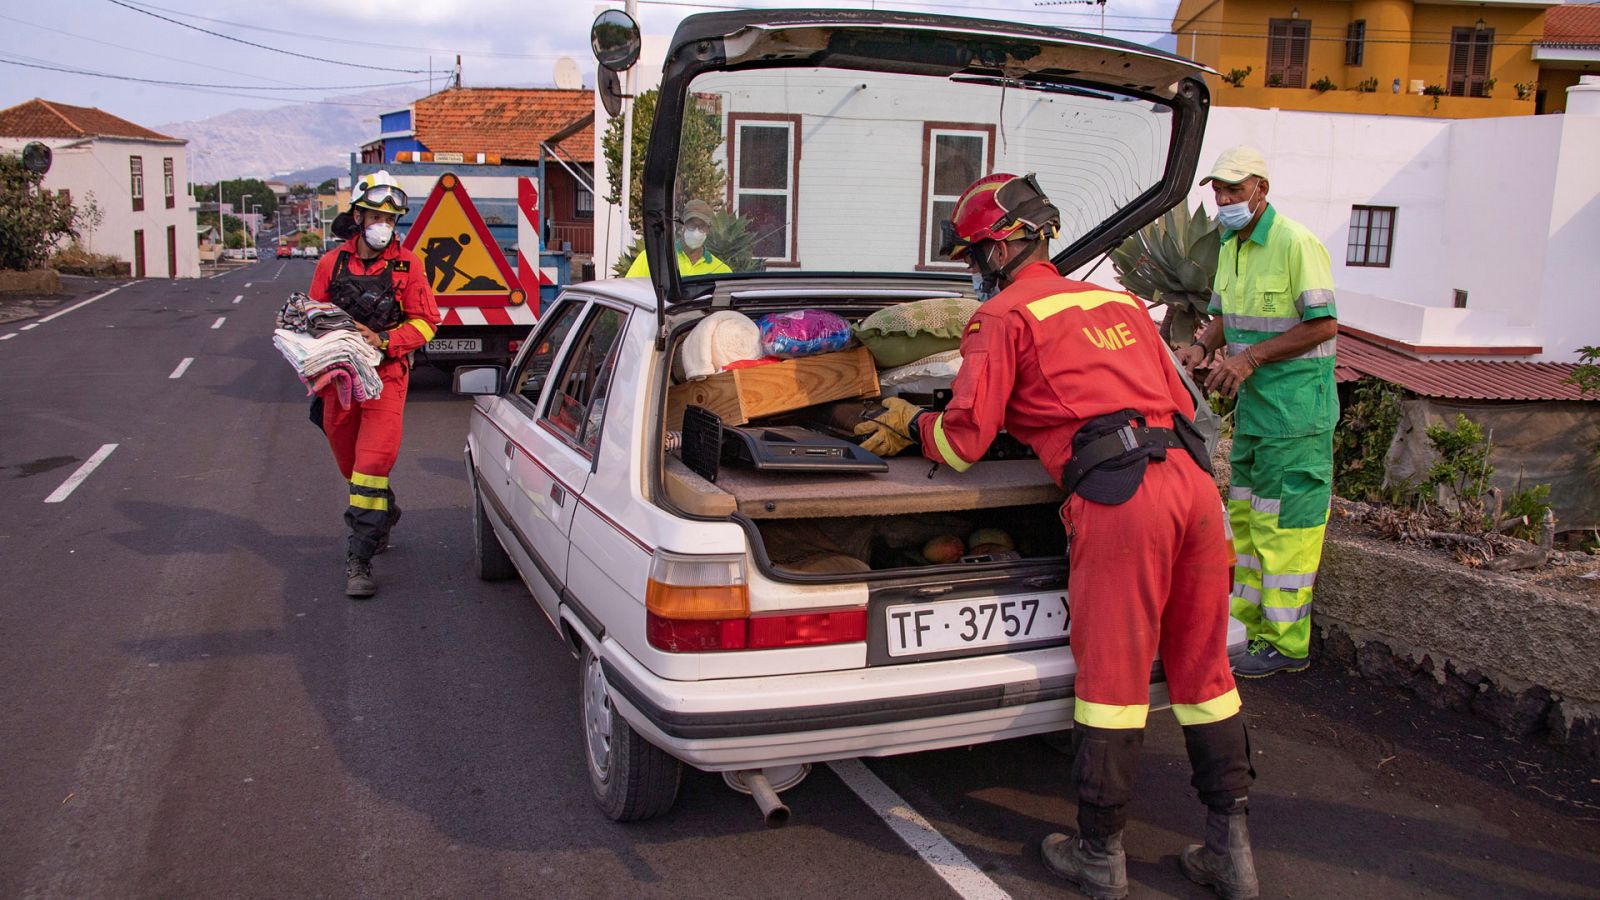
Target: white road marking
[(949, 863), (71, 484), (182, 367), (7, 337), (80, 304), (218, 323), (238, 298), (30, 326), (248, 283)]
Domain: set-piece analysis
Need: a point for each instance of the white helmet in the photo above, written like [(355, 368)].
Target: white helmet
[(379, 191)]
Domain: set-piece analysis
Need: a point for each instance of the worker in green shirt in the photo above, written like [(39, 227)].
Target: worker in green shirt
[(693, 258), (1274, 295)]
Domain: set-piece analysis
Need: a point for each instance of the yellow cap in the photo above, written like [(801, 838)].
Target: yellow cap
[(1236, 164)]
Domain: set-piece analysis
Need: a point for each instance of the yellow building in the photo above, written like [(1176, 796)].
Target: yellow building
[(1397, 57)]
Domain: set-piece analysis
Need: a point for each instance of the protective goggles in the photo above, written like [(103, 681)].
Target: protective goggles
[(385, 197)]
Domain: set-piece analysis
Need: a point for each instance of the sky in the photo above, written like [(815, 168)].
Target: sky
[(325, 51)]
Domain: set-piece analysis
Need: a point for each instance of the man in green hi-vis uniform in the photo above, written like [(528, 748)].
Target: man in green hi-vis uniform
[(1274, 294)]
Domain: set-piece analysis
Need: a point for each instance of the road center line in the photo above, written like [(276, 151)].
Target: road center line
[(80, 304), (182, 367), (238, 298), (76, 478), (7, 337), (30, 326), (949, 863), (248, 283), (218, 323)]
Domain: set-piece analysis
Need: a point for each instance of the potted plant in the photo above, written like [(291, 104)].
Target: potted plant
[(1527, 89), (1368, 85), (1435, 91), (1274, 80), (1236, 77), (1323, 85)]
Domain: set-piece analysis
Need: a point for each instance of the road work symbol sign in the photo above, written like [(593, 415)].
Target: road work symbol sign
[(459, 255)]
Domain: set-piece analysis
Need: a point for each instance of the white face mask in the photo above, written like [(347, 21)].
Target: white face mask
[(694, 238), (378, 234)]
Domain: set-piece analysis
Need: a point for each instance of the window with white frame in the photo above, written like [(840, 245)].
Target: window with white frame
[(765, 168), (168, 184), (1371, 240), (953, 157), (136, 181), (583, 204)]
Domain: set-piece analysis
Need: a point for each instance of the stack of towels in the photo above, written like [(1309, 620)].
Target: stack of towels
[(321, 342)]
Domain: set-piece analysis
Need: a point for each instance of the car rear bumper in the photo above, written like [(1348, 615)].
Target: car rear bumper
[(838, 715)]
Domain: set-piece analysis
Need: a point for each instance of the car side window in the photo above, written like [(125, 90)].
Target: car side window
[(578, 402), (529, 380)]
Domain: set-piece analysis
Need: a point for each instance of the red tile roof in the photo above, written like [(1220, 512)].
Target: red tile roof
[(48, 119), (1573, 25), (1455, 379), (507, 121)]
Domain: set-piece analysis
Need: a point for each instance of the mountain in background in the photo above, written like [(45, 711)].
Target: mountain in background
[(265, 142)]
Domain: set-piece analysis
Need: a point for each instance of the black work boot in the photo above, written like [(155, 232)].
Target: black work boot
[(1099, 868), (358, 578), (1224, 862)]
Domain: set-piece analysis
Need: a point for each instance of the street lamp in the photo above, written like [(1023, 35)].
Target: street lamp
[(244, 207)]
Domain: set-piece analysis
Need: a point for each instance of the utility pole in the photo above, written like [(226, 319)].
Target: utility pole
[(626, 193)]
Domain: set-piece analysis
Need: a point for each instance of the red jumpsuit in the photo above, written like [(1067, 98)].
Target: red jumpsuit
[(1040, 359), (365, 437)]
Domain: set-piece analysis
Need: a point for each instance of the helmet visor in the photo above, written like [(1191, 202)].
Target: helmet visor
[(951, 246), (384, 197)]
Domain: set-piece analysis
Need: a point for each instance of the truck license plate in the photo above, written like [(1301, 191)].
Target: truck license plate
[(455, 345), (915, 628)]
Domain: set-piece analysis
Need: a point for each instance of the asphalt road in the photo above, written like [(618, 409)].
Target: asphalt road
[(192, 708)]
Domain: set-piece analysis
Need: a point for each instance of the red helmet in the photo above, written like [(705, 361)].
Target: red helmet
[(999, 207)]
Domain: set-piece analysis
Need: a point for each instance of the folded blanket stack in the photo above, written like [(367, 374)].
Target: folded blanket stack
[(314, 317), (341, 359)]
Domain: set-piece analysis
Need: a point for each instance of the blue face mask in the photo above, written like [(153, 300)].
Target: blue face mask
[(1235, 216)]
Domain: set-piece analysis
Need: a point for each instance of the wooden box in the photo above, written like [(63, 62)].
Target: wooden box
[(745, 394)]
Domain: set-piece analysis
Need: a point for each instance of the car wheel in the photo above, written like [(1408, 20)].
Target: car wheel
[(632, 778), (489, 559)]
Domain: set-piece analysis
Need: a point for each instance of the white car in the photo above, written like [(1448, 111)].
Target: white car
[(310, 251), (752, 620)]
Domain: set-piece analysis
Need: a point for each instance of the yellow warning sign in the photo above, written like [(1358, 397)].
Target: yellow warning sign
[(459, 255)]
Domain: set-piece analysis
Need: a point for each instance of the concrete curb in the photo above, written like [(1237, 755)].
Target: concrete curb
[(1517, 655)]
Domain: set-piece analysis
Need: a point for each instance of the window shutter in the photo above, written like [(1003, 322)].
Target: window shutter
[(1277, 48), (1355, 38), (1299, 50), (1482, 47), (1460, 61)]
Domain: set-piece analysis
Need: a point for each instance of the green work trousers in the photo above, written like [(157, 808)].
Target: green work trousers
[(1278, 509)]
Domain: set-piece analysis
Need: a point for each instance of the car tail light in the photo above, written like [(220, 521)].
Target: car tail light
[(513, 346), (696, 604)]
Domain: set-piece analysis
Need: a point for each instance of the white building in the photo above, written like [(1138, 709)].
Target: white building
[(137, 178), (1449, 238)]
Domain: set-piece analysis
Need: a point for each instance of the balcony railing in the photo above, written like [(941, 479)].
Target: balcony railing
[(579, 234)]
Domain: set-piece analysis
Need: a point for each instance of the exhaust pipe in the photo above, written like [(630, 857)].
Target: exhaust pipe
[(763, 786), (773, 810)]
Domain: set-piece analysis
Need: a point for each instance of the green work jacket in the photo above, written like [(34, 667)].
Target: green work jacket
[(708, 265), (1265, 286)]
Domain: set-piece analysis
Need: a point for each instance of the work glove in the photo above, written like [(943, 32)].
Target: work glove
[(890, 431)]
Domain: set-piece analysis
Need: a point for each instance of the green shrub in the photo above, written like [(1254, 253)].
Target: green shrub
[(1236, 77), (1532, 503), (1323, 85), (1361, 442), (1462, 464)]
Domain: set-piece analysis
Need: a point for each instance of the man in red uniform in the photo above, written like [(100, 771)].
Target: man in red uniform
[(1080, 375), (381, 285)]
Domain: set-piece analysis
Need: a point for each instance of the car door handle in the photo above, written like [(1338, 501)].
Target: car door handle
[(509, 450), (557, 494)]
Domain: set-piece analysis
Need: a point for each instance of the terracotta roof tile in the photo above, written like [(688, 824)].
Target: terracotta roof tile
[(1455, 379), (508, 121), (48, 119), (1572, 25)]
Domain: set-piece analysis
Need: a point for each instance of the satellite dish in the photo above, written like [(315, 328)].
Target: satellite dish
[(610, 88), (36, 158), (568, 76)]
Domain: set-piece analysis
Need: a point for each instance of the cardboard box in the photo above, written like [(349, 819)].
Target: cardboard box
[(745, 394)]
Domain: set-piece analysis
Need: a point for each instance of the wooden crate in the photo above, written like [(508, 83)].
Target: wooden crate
[(745, 394)]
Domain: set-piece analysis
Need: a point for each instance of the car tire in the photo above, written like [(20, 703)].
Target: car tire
[(489, 559), (633, 779)]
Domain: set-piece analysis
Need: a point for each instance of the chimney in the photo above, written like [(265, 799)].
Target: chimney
[(1583, 98), (458, 70)]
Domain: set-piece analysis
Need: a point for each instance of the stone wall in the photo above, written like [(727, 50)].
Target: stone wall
[(32, 281)]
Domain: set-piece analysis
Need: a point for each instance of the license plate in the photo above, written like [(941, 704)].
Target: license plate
[(455, 345), (978, 622)]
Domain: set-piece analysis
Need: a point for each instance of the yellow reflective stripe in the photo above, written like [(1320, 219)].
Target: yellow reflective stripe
[(1084, 300), (945, 450), (381, 503), (1104, 715), (372, 481), (424, 327), (1213, 710)]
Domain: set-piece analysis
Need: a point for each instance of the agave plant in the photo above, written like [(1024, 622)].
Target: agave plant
[(1172, 261)]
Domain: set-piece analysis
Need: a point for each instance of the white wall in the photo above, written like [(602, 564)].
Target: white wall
[(1505, 209), (98, 168)]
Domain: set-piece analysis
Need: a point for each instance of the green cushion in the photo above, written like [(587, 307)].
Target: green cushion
[(907, 332)]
